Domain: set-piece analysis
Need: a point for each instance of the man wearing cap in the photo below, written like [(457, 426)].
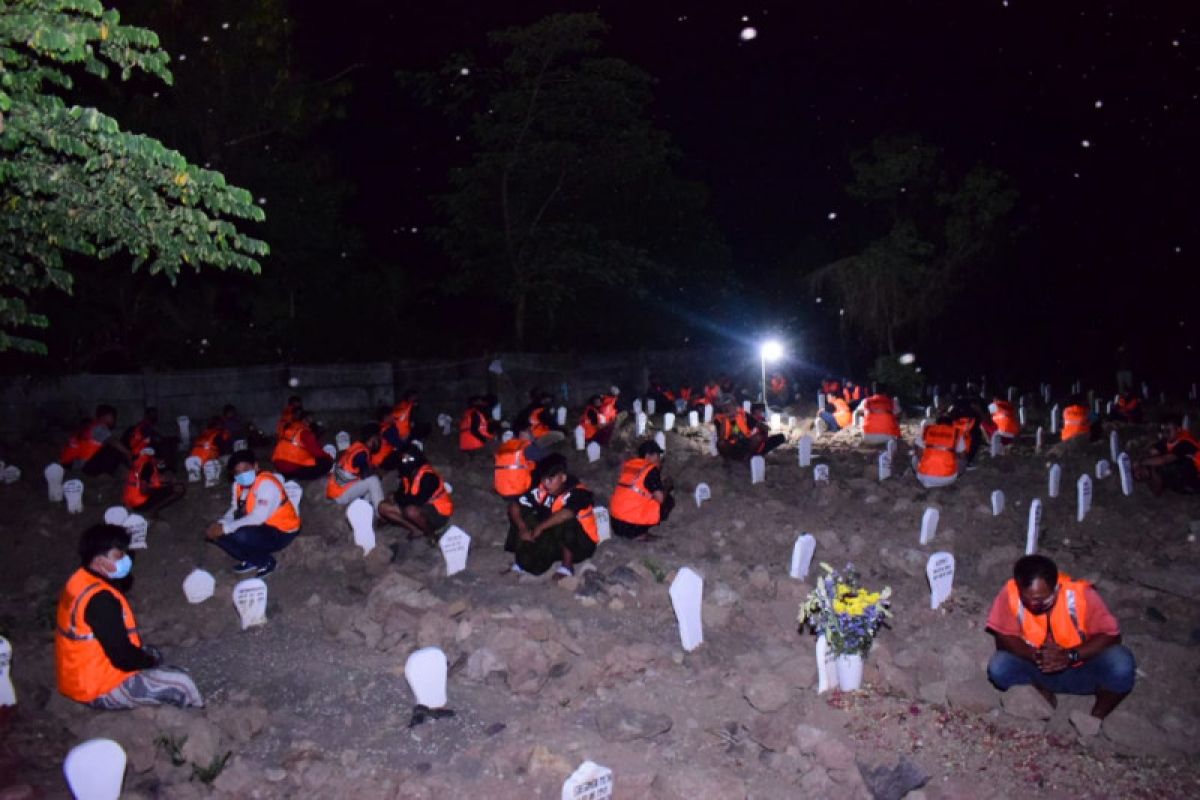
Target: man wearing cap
[(641, 499), (261, 520)]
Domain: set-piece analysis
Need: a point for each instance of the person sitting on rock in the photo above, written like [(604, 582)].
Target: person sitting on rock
[(351, 476), (1055, 633), (880, 414), (147, 489), (99, 656), (94, 446), (553, 521), (1173, 462), (940, 445), (642, 498), (261, 519), (298, 455), (422, 504)]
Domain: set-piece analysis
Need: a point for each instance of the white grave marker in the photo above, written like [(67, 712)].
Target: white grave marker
[(687, 596), (73, 493), (640, 423), (758, 469), (1055, 480), (746, 406), (580, 437), (693, 419), (776, 420), (10, 474), (496, 412), (250, 600), (650, 405), (940, 572), (185, 431), (95, 770), (116, 515), (821, 473), (1021, 416), (884, 466), (362, 522), (425, 670), (603, 523), (560, 416), (137, 526), (295, 493), (637, 406), (342, 440), (702, 493), (819, 427), (712, 444), (590, 782), (455, 545), (1037, 440), (668, 421), (8, 696), (1083, 493), (507, 436), (1012, 393), (826, 666), (928, 412), (708, 412), (194, 467), (1054, 418), (1125, 465), (997, 503), (330, 451), (54, 482), (660, 439), (212, 473), (1103, 469), (241, 444), (929, 524), (1035, 524), (804, 450), (891, 449), (802, 556), (997, 445), (820, 401), (593, 452), (199, 585)]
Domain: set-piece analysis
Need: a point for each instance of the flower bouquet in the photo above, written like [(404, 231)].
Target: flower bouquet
[(849, 617)]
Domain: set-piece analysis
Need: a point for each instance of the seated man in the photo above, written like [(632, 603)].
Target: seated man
[(261, 520), (475, 429), (1005, 419), (1174, 461), (146, 434), (968, 419), (95, 447), (779, 390), (940, 445), (146, 488), (421, 505), (641, 499), (1056, 634), (212, 442), (1128, 408), (516, 460), (762, 441), (1077, 421), (836, 414), (553, 521), (537, 417), (880, 414), (289, 415), (297, 455), (99, 656), (735, 431), (351, 477), (599, 419)]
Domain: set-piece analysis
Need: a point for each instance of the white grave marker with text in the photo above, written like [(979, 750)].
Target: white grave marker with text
[(940, 572), (137, 526), (212, 473), (1083, 493), (590, 782), (702, 493), (687, 598), (194, 467), (73, 493), (455, 544), (603, 523), (250, 600), (884, 466)]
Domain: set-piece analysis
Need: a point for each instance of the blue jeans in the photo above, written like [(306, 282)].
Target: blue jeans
[(1113, 671), (830, 420), (255, 543)]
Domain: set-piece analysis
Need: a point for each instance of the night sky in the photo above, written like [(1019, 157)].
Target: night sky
[(1091, 108)]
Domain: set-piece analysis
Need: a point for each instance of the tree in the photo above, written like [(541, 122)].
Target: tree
[(570, 186), (73, 182), (936, 230)]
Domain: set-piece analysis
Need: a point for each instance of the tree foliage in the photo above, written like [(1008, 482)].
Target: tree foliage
[(73, 182)]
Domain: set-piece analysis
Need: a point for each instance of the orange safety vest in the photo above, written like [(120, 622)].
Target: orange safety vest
[(138, 440), (608, 409), (735, 427), (590, 429), (937, 457), (285, 419), (440, 499), (1186, 436), (631, 501), (778, 384), (712, 391), (536, 425), (81, 446), (286, 518), (137, 491), (289, 449), (1128, 407), (881, 416), (842, 413), (84, 671), (1066, 619), (343, 473), (514, 472), (831, 387), (586, 517), (205, 446), (964, 426), (685, 393), (852, 395), (1075, 422), (467, 438), (402, 416), (1006, 419)]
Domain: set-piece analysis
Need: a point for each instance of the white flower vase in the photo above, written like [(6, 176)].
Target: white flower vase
[(850, 672)]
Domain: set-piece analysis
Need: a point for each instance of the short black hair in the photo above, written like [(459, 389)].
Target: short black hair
[(649, 448), (241, 457), (1030, 568), (548, 467), (99, 539)]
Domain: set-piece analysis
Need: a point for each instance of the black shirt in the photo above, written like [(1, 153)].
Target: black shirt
[(103, 614), (429, 484)]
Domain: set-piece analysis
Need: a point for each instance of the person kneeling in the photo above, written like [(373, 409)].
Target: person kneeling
[(553, 521), (99, 656), (260, 521), (641, 499), (421, 505), (1055, 633)]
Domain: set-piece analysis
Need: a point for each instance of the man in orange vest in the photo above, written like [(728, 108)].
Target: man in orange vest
[(422, 503), (211, 442), (735, 431), (1078, 422), (351, 476), (290, 413), (475, 430), (940, 444), (642, 498), (261, 520), (146, 488), (1173, 462), (94, 445), (779, 390), (966, 415), (297, 455), (516, 460), (599, 419), (553, 521), (1128, 408), (99, 657), (836, 414), (1056, 634), (1006, 421), (536, 417), (880, 413), (146, 434)]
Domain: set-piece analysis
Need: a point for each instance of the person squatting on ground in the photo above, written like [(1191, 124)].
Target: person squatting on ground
[(261, 520), (147, 489), (940, 444), (642, 497), (1006, 421), (421, 504), (1055, 634), (212, 442), (1079, 422), (1173, 462), (880, 417), (99, 657), (298, 455), (762, 441), (94, 446), (475, 429), (599, 419), (553, 521), (351, 477)]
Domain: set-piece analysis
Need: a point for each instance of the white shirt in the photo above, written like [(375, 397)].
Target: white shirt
[(267, 500)]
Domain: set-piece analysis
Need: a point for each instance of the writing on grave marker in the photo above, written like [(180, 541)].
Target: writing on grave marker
[(73, 493), (212, 473), (821, 473), (590, 782), (250, 600), (603, 523), (137, 526), (455, 544), (940, 572), (802, 556), (194, 467)]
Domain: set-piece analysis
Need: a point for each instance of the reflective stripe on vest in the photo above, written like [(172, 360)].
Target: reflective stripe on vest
[(286, 518), (83, 670)]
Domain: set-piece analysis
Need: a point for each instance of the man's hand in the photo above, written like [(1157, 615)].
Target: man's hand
[(214, 532), (528, 535), (1051, 658)]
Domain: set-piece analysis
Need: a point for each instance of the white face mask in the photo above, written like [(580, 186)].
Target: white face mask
[(245, 478)]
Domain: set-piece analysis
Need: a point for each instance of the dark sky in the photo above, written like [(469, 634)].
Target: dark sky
[(1091, 107)]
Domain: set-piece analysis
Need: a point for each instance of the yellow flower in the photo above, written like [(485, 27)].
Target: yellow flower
[(181, 179), (103, 32)]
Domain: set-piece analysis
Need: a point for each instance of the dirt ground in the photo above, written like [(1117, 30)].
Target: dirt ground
[(545, 675)]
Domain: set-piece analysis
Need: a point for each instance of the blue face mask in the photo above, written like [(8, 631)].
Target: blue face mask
[(245, 478), (123, 565)]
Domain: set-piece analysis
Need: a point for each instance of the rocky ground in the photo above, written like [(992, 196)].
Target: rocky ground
[(545, 675)]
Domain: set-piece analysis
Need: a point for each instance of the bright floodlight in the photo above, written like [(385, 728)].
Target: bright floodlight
[(771, 350)]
